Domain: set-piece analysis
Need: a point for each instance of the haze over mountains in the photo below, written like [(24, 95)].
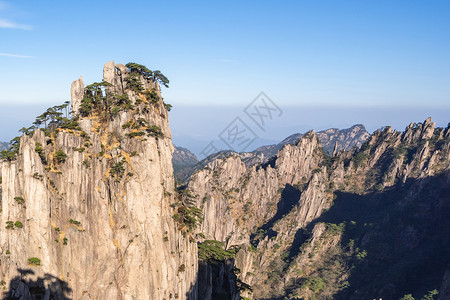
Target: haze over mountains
[(91, 208), (194, 127), (3, 145), (185, 161)]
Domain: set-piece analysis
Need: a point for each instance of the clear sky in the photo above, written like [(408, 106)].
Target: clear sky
[(302, 53)]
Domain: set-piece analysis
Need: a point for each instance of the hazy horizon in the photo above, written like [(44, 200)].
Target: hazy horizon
[(193, 127), (327, 64)]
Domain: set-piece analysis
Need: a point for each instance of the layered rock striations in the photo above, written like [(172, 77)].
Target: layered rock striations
[(87, 204), (89, 209), (358, 224)]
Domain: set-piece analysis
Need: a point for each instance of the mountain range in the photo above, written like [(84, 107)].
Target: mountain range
[(91, 209), (185, 162)]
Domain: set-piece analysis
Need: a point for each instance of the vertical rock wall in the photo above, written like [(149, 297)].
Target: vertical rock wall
[(100, 221)]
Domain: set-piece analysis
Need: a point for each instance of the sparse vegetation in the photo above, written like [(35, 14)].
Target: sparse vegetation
[(188, 216), (60, 157), (34, 261), (18, 224), (19, 200), (118, 170), (77, 223), (211, 250)]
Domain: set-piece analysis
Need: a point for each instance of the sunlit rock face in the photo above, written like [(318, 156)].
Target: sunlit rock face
[(94, 203), (310, 217)]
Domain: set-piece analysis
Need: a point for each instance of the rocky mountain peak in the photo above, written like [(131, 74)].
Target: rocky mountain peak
[(77, 93), (91, 198), (304, 219)]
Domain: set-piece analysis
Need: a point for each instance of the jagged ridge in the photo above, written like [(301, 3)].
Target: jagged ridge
[(278, 206)]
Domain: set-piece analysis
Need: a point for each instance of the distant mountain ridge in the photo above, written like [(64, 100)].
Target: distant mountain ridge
[(185, 162), (3, 146), (344, 139)]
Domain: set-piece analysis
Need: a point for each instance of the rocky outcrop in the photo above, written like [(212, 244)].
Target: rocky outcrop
[(90, 204), (183, 156), (295, 215), (77, 94)]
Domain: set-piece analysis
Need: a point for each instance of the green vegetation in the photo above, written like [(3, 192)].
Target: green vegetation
[(9, 225), (359, 158), (18, 224), (77, 223), (96, 101), (135, 134), (134, 83), (315, 284), (19, 200), (188, 216), (40, 150), (212, 250), (34, 261), (168, 106), (118, 170), (11, 153), (334, 229), (152, 96), (60, 157), (155, 76), (154, 131), (431, 295)]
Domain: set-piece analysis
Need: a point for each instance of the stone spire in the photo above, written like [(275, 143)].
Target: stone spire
[(335, 150), (109, 71), (77, 94)]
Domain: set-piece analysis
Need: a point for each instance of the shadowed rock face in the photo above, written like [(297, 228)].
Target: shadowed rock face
[(183, 160), (99, 217), (316, 222)]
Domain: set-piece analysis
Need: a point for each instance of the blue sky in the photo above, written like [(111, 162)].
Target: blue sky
[(357, 54)]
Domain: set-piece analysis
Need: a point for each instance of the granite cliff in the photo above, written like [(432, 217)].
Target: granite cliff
[(87, 200), (361, 224), (90, 209)]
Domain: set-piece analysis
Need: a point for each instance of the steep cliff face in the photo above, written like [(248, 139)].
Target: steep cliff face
[(93, 200), (345, 226)]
